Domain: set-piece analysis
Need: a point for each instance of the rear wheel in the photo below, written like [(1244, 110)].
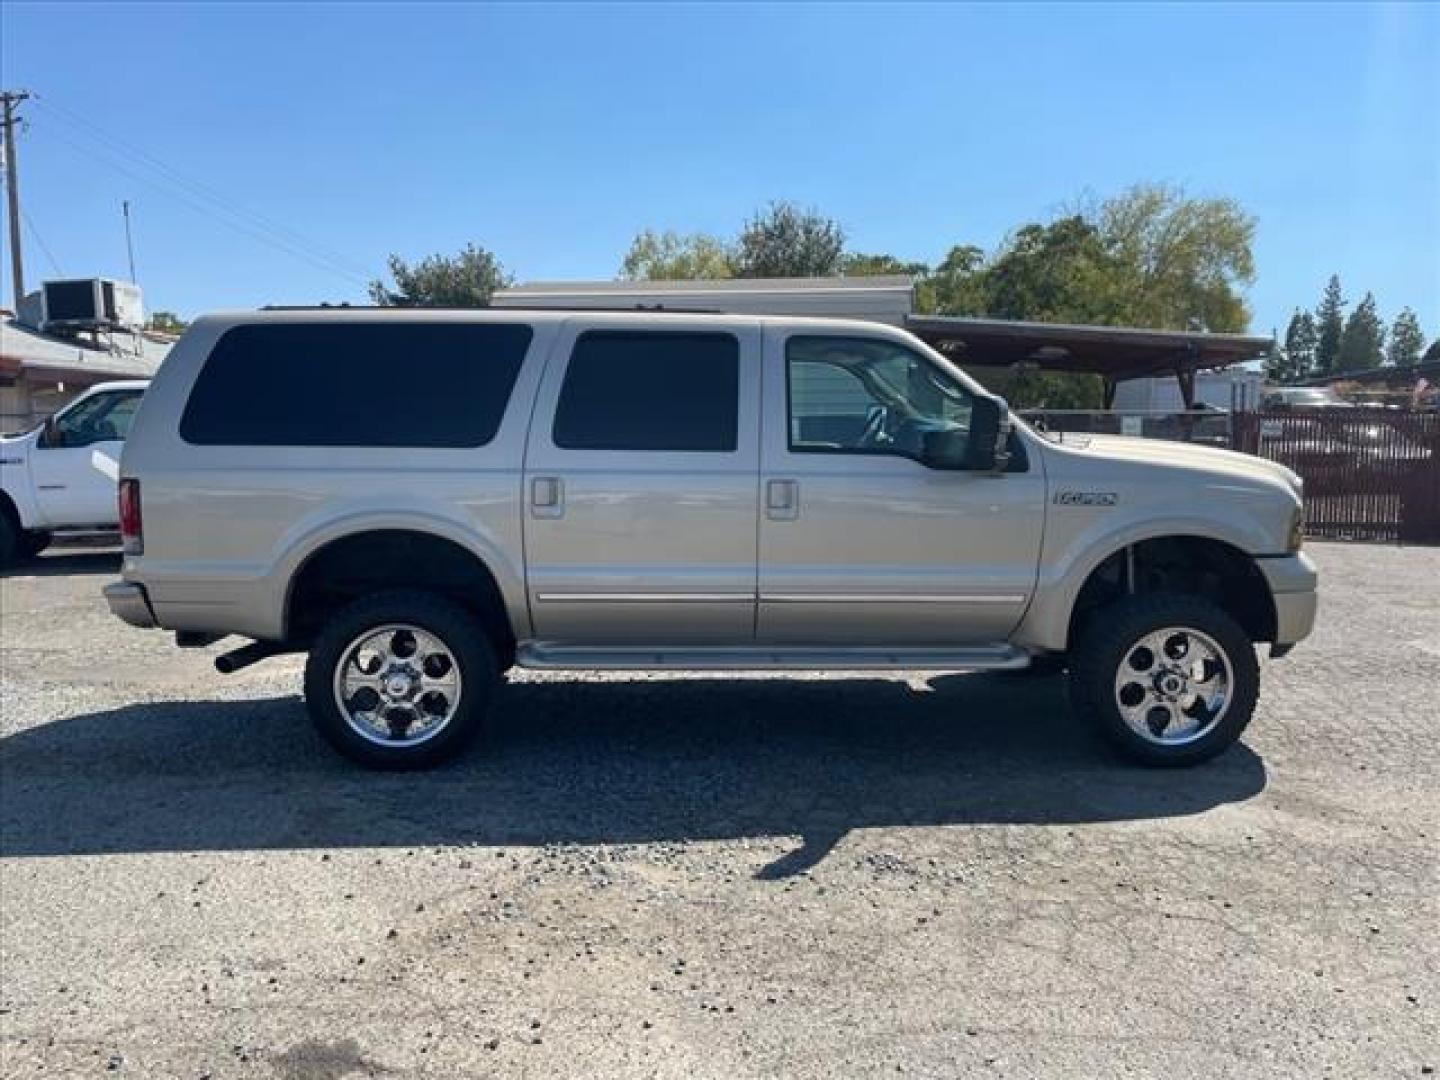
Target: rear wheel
[(1167, 680), (400, 680), (33, 542)]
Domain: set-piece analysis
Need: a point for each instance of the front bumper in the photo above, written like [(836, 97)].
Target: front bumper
[(1293, 582), (128, 601)]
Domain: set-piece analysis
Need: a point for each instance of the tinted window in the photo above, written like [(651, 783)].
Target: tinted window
[(650, 391), (100, 418), (356, 384)]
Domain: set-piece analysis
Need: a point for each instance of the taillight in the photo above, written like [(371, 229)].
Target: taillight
[(132, 529)]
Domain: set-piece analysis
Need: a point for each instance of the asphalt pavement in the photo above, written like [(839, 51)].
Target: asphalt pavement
[(698, 877)]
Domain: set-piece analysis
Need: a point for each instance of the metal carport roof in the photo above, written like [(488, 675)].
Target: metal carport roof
[(1115, 353)]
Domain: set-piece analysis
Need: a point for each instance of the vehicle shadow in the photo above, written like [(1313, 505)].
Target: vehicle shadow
[(584, 761), (62, 561)]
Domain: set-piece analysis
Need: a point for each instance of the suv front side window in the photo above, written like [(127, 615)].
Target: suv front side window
[(868, 396)]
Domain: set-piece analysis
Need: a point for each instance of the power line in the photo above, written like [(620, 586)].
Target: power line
[(279, 244), (34, 232), (198, 188)]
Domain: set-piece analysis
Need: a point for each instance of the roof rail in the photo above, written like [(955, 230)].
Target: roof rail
[(661, 308)]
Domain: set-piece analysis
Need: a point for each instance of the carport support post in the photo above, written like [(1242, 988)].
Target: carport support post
[(1108, 389), (1186, 379)]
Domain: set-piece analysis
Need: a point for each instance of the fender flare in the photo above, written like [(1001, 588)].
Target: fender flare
[(303, 543), (1046, 624)]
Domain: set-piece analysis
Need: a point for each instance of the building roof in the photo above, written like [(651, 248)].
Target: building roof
[(1381, 376), (1115, 352), (715, 287), (877, 299), (127, 356)]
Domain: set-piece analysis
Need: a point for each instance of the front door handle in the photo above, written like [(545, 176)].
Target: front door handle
[(547, 497), (782, 500)]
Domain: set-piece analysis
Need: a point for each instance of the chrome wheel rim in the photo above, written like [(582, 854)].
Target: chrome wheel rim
[(1174, 686), (397, 685)]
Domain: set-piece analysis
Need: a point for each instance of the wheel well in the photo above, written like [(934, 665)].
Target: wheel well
[(354, 566), (1191, 565), (9, 509)]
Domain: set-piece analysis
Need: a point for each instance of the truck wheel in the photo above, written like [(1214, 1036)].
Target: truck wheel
[(11, 535), (33, 542), (1166, 679), (400, 680), (1041, 667)]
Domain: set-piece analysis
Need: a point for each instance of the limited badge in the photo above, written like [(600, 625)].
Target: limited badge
[(1086, 498)]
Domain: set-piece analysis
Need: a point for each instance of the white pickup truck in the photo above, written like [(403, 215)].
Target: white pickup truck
[(60, 477)]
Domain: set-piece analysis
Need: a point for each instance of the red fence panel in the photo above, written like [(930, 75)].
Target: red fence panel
[(1370, 474)]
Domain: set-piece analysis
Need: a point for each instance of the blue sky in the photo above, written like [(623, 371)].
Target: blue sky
[(552, 134)]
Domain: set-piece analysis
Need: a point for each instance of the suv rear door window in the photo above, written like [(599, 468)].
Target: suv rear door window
[(657, 391), (390, 384)]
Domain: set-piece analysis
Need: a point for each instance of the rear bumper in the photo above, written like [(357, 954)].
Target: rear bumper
[(128, 601), (1293, 582)]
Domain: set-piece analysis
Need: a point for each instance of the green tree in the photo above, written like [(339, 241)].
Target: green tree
[(467, 280), (1150, 256), (1297, 359), (957, 286), (167, 322), (858, 265), (1060, 272), (671, 256), (1407, 341), (1363, 341), (1177, 262), (1330, 321), (785, 241)]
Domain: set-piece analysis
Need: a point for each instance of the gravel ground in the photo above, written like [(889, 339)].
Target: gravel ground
[(698, 877)]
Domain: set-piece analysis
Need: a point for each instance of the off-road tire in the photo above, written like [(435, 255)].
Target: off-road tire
[(459, 630), (1040, 667), (1106, 640), (11, 536), (33, 542)]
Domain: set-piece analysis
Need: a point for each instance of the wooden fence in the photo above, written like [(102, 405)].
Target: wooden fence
[(1370, 474)]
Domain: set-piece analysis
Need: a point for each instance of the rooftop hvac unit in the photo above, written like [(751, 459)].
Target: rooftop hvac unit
[(91, 304)]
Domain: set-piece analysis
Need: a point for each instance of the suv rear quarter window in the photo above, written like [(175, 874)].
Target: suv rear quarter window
[(390, 384)]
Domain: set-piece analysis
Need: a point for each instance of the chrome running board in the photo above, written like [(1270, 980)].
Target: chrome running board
[(553, 656)]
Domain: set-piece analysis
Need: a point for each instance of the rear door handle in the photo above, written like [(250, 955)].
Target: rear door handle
[(547, 497), (782, 500)]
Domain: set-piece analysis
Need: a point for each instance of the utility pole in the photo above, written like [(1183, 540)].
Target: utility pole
[(10, 99), (129, 247)]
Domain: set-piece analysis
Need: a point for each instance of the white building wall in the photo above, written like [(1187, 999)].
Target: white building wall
[(1223, 389)]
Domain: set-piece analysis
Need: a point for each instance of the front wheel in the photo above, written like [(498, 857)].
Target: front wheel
[(10, 539), (1167, 680), (400, 680)]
